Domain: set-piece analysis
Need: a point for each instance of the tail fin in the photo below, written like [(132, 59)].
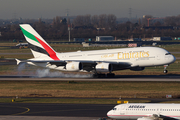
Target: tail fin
[(38, 45)]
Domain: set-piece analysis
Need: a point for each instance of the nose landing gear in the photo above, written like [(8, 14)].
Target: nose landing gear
[(165, 67)]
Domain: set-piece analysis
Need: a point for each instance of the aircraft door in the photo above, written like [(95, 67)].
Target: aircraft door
[(158, 57), (84, 56), (134, 57), (159, 110), (123, 110)]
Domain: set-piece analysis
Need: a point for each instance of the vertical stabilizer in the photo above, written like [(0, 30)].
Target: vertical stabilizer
[(38, 45)]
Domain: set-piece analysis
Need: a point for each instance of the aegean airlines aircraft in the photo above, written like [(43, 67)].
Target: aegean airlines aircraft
[(145, 111), (97, 61)]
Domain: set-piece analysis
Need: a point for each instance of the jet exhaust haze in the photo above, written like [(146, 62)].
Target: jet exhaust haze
[(41, 73)]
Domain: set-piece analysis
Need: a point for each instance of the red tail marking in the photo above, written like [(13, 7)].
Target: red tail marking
[(50, 51)]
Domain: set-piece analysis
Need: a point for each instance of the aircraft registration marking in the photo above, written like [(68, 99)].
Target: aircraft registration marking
[(107, 56)]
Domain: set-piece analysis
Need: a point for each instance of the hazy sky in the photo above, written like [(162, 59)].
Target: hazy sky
[(50, 8)]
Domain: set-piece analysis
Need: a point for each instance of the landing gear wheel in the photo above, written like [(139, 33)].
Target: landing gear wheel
[(95, 75), (99, 75), (165, 71), (110, 75), (165, 67)]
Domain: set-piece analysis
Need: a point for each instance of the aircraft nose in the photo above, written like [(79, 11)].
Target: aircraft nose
[(173, 59), (109, 113), (170, 58)]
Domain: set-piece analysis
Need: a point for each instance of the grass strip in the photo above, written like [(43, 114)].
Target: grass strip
[(72, 101), (88, 89)]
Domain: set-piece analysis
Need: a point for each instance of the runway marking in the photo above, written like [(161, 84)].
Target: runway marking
[(59, 110), (22, 112), (18, 107)]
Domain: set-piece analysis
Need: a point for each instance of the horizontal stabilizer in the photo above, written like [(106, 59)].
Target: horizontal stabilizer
[(18, 61)]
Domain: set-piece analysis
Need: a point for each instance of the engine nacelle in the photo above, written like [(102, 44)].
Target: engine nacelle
[(74, 66), (137, 68), (104, 67)]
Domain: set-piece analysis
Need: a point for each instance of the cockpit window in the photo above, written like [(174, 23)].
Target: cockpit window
[(168, 54), (114, 108)]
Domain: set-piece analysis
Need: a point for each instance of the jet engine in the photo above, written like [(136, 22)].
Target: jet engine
[(104, 67), (74, 66), (137, 68)]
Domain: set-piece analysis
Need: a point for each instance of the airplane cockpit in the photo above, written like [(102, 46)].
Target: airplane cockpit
[(168, 54)]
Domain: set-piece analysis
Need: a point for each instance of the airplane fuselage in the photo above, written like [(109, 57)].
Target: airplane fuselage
[(141, 56), (141, 111), (135, 57)]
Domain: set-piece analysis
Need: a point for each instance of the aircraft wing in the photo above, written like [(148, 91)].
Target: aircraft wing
[(87, 64), (167, 117), (156, 117)]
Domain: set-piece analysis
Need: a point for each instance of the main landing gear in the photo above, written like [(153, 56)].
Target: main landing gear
[(101, 75), (165, 67)]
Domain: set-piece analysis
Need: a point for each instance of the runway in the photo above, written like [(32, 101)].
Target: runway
[(49, 111), (117, 78), (86, 111), (41, 111)]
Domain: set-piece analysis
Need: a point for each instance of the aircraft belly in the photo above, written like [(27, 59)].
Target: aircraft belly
[(145, 62), (37, 64), (131, 117)]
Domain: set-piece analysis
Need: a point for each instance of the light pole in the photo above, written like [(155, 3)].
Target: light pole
[(69, 29)]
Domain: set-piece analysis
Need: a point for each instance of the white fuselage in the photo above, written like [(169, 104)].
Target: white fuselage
[(136, 57), (135, 111), (141, 56)]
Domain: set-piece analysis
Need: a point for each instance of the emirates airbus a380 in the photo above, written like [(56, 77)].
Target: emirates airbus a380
[(101, 62), (145, 111)]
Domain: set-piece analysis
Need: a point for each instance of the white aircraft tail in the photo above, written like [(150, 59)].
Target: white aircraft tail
[(37, 44)]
